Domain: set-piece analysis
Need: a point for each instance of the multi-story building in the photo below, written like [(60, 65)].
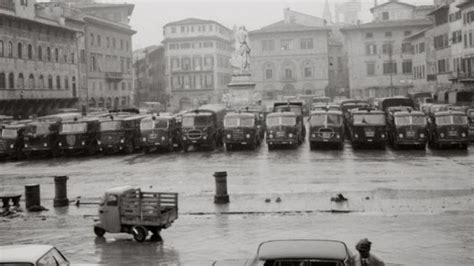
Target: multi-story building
[(290, 57), (38, 60), (197, 56), (380, 61), (150, 76), (466, 76)]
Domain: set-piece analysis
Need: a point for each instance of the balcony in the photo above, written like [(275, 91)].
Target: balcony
[(7, 4), (114, 76), (466, 76)]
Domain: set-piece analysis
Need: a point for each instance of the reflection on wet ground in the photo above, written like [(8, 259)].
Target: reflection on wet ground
[(416, 206)]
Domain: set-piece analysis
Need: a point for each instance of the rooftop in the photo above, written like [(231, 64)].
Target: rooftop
[(193, 21), (282, 26), (389, 24), (103, 5), (391, 2)]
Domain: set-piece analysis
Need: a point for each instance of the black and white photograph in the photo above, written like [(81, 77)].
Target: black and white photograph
[(237, 132)]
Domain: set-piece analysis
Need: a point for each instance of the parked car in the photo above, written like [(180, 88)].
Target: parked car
[(120, 133), (448, 128), (284, 128), (130, 210), (368, 128), (302, 252), (35, 255), (203, 126), (407, 128), (240, 129), (79, 136), (326, 127), (159, 132)]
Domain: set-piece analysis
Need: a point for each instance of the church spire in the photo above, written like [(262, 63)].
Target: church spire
[(327, 12)]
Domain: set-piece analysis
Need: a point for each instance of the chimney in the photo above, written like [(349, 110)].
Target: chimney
[(375, 3)]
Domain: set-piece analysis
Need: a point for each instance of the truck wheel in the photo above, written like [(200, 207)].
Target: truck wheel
[(185, 147), (139, 233), (312, 146), (340, 146), (146, 150), (156, 237), (171, 147), (92, 148), (228, 147), (129, 147), (213, 145), (99, 231)]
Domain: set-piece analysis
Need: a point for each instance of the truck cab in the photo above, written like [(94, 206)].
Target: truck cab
[(407, 128), (470, 116), (240, 129), (11, 140), (295, 107), (79, 136), (448, 128), (158, 132), (283, 129), (203, 127), (368, 128), (129, 210), (326, 127), (120, 133)]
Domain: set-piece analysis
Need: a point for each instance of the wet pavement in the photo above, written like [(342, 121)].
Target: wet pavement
[(415, 206)]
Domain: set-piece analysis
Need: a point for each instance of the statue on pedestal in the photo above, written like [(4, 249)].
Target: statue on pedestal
[(241, 58)]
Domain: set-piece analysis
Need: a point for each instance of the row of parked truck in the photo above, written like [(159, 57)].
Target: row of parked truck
[(392, 120)]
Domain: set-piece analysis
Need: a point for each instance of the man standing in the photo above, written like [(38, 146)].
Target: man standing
[(364, 258)]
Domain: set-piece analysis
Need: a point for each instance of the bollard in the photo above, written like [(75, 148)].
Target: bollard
[(60, 199), (32, 196), (221, 196)]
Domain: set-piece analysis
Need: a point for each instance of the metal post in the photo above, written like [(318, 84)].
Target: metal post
[(61, 200), (221, 196), (32, 196)]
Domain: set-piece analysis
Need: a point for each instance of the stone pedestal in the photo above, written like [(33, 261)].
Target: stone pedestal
[(241, 91)]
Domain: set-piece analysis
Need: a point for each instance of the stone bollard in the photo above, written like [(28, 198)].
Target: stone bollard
[(32, 196), (221, 196), (60, 199)]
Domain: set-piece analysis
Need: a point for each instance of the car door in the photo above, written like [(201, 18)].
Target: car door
[(110, 214)]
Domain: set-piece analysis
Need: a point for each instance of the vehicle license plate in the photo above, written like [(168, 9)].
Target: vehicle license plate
[(194, 141), (326, 135), (280, 134), (453, 133), (157, 143), (244, 143), (110, 146), (152, 136), (370, 134), (369, 140), (410, 134)]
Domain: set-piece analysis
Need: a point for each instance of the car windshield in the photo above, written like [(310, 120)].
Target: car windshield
[(369, 119), (197, 121), (451, 119), (74, 128), (9, 133), (39, 129), (330, 119), (110, 125), (410, 120), (300, 262), (239, 122), (281, 121)]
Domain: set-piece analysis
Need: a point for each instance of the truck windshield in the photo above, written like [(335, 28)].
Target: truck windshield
[(239, 122), (74, 128), (410, 120), (369, 119), (9, 133), (197, 121), (39, 129), (281, 121), (330, 119), (109, 126), (154, 124), (294, 109), (451, 120)]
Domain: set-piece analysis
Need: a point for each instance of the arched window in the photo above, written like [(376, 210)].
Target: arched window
[(11, 81), (40, 53), (10, 49), (268, 71), (50, 82), (48, 54), (3, 82), (123, 86), (31, 82), (30, 51), (66, 83), (124, 101), (116, 102), (58, 82), (20, 50), (41, 82), (1, 49), (56, 55), (21, 81)]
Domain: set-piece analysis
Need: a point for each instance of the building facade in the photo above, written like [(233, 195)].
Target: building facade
[(290, 57), (150, 76), (38, 61), (466, 75), (379, 58), (197, 54)]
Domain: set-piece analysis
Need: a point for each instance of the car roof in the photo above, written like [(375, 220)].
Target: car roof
[(318, 112), (302, 248), (450, 112), (23, 253), (119, 190), (277, 114)]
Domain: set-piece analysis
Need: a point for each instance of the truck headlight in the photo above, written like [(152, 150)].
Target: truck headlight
[(144, 139), (290, 135), (184, 138), (45, 145), (26, 145), (83, 143), (463, 135), (422, 135), (383, 135), (204, 138), (229, 136), (99, 142), (338, 136), (400, 135), (441, 135), (314, 135), (163, 138), (270, 136), (60, 144), (356, 136), (247, 136), (122, 141), (12, 146)]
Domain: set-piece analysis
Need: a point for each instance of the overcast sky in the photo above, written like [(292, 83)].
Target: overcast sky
[(149, 16)]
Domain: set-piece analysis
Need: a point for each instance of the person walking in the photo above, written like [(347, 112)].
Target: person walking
[(365, 258)]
